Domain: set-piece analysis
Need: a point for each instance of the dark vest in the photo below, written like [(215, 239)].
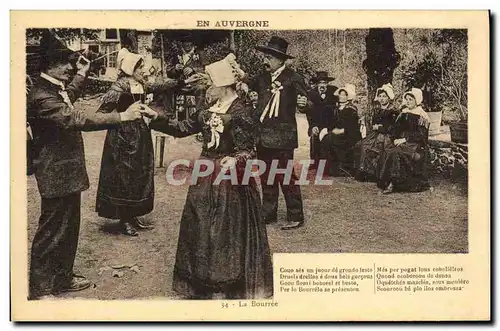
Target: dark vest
[(279, 132)]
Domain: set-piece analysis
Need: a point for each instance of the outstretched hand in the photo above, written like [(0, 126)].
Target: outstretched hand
[(148, 112), (198, 79)]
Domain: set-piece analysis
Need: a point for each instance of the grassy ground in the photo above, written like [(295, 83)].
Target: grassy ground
[(346, 217)]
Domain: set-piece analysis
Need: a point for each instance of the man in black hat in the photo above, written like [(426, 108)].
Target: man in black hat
[(186, 60), (320, 113), (281, 92), (59, 163)]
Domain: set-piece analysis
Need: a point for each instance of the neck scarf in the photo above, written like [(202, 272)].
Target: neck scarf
[(215, 122), (273, 105)]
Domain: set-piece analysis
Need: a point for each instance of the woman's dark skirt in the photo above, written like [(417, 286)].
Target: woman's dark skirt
[(222, 246), (405, 167), (126, 181)]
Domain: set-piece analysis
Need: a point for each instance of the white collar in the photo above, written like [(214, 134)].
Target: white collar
[(278, 72), (135, 86), (223, 107), (53, 80), (188, 53)]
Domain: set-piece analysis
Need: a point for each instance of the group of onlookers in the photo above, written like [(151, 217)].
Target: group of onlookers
[(393, 153)]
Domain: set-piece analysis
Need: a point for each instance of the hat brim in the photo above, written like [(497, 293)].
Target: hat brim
[(272, 51), (327, 79), (60, 55)]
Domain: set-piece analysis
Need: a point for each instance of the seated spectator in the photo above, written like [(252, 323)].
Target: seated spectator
[(338, 143), (371, 147), (320, 112), (403, 165)]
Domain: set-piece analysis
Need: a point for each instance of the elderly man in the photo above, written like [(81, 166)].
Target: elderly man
[(281, 92), (320, 114), (59, 163)]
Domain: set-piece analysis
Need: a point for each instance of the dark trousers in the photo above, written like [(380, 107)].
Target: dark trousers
[(54, 245), (293, 197), (339, 155)]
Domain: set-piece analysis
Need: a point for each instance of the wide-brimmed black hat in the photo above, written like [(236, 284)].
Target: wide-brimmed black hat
[(322, 76), (50, 50), (276, 46), (53, 48)]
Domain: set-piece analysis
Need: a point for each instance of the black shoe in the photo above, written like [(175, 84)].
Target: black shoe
[(77, 283), (129, 229), (270, 220), (292, 225), (360, 176)]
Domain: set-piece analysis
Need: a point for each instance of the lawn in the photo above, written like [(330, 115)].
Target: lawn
[(346, 217)]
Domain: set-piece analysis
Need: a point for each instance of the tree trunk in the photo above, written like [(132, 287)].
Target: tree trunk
[(231, 43), (381, 60), (162, 59), (343, 48), (335, 49)]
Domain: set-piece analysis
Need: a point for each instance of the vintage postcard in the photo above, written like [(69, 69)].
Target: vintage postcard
[(250, 166)]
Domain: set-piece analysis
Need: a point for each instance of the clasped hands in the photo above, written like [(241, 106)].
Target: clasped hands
[(136, 111), (400, 141), (315, 131), (301, 101), (199, 79)]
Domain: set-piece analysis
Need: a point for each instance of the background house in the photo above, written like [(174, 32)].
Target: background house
[(108, 43)]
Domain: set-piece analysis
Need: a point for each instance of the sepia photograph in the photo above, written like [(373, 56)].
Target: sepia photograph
[(179, 163)]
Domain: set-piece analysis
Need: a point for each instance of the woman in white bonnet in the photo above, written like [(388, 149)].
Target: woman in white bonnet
[(126, 181), (372, 146), (126, 187), (403, 165), (222, 248)]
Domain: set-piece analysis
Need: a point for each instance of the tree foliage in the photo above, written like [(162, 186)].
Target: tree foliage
[(34, 35), (436, 61)]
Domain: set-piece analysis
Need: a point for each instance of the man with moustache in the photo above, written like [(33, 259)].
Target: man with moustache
[(187, 60), (281, 92), (59, 164), (320, 113)]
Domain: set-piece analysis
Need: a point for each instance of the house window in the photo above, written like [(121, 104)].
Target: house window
[(111, 53), (111, 34)]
